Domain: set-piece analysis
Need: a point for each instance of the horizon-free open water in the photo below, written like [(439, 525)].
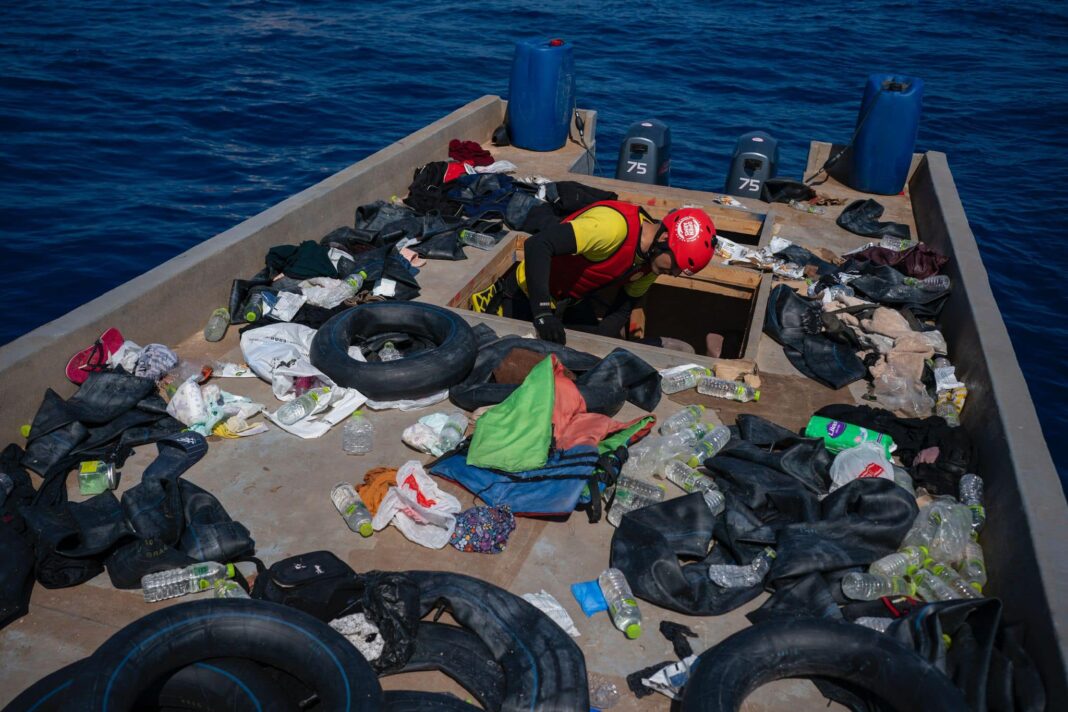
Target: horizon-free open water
[(133, 131)]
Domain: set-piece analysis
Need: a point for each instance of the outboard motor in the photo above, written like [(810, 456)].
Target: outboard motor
[(645, 155), (756, 159)]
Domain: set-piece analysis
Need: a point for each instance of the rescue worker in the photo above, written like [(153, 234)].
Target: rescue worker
[(605, 244)]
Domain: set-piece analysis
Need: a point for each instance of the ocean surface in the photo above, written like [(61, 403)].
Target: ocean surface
[(132, 131)]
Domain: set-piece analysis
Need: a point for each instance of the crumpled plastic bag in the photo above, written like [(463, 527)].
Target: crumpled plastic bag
[(423, 512), (547, 604), (278, 353), (201, 408), (326, 292), (867, 459)]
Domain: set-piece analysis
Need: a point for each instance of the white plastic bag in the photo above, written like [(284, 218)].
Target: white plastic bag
[(862, 461), (547, 604), (423, 512)]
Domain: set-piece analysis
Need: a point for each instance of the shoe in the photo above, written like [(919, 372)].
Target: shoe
[(95, 357)]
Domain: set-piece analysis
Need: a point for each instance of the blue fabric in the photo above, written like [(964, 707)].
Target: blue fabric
[(553, 489), (589, 596)]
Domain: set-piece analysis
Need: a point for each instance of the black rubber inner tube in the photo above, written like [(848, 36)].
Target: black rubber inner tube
[(413, 701), (418, 375), (724, 675), (544, 669), (113, 678)]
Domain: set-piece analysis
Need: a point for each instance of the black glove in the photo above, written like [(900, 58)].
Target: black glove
[(550, 328)]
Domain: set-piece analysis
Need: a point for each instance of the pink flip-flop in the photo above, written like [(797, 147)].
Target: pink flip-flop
[(94, 358)]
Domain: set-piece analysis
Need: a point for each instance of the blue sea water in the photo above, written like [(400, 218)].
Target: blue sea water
[(131, 131)]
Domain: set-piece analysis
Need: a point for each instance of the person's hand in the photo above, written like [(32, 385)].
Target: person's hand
[(550, 328)]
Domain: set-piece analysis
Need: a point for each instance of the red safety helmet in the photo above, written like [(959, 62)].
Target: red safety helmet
[(691, 238)]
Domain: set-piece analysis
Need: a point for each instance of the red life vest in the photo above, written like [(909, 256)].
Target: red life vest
[(575, 276)]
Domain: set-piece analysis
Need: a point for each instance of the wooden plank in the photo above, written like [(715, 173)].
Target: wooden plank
[(700, 285), (725, 218), (755, 330), (484, 277)]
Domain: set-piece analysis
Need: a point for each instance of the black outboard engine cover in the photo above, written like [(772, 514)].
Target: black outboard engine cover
[(755, 159), (645, 156)]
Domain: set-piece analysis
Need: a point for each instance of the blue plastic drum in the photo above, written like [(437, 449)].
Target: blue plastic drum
[(541, 94), (887, 124)]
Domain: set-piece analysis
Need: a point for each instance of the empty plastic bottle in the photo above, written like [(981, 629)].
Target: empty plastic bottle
[(745, 575), (900, 563), (217, 323), (179, 582), (356, 280), (388, 352), (931, 588), (970, 488), (683, 380), (878, 623), (715, 500), (302, 407), (955, 582), (632, 494), (944, 526), (229, 589), (622, 606), (357, 437), (709, 446), (477, 239), (973, 567), (868, 587), (690, 415), (807, 207), (259, 304), (453, 431), (897, 244), (351, 508), (934, 283), (731, 390), (948, 412), (689, 479)]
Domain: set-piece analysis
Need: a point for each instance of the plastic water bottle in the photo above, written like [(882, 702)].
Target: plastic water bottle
[(302, 407), (808, 207), (477, 239), (878, 623), (742, 576), (621, 604), (690, 415), (944, 527), (258, 305), (731, 390), (229, 589), (351, 508), (632, 494), (931, 588), (217, 324), (689, 479), (681, 440), (955, 582), (934, 283), (388, 352), (900, 563), (948, 412), (683, 380), (973, 567), (357, 437), (897, 244), (710, 446), (715, 500), (179, 582), (453, 431), (868, 587), (356, 280), (970, 488)]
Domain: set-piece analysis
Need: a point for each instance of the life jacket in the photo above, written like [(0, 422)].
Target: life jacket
[(575, 276)]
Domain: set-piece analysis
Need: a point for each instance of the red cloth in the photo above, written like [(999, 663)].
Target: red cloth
[(454, 170), (469, 152), (919, 261), (572, 425)]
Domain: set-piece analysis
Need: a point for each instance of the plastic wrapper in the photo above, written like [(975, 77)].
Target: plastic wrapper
[(865, 460), (547, 604)]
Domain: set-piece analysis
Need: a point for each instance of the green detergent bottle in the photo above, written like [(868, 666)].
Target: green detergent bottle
[(838, 435)]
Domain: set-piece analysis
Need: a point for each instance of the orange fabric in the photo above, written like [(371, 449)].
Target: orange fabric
[(572, 425), (376, 483)]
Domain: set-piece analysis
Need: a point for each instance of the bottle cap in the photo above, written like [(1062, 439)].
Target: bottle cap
[(230, 571), (250, 316), (25, 430), (756, 395), (633, 631), (366, 529)]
